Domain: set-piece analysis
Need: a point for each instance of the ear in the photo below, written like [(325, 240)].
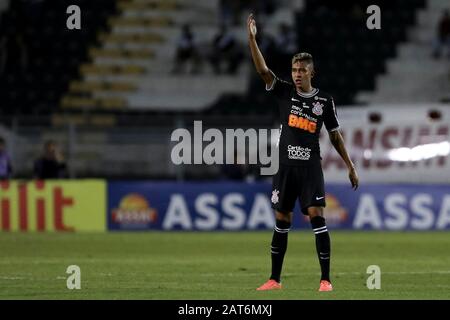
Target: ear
[(313, 73)]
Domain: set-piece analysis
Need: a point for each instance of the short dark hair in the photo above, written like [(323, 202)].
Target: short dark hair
[(303, 56)]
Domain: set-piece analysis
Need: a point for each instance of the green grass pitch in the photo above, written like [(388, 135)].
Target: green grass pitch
[(222, 265)]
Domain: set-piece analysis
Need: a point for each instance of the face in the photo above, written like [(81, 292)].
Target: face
[(50, 149), (302, 73)]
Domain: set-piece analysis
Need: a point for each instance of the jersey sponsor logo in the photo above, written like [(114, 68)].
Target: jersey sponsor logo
[(296, 110), (298, 153), (302, 123), (317, 108)]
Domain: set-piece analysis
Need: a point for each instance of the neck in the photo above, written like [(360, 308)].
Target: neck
[(306, 89)]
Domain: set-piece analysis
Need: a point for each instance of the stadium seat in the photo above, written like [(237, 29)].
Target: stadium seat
[(50, 43), (357, 55)]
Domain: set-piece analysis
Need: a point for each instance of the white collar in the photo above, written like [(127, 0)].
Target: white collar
[(313, 92)]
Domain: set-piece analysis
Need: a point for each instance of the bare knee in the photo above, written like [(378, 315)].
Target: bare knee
[(315, 212), (287, 217)]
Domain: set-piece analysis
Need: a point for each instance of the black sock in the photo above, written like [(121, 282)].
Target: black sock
[(322, 245), (278, 247)]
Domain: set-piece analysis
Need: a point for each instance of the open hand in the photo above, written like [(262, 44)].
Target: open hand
[(353, 176), (251, 26)]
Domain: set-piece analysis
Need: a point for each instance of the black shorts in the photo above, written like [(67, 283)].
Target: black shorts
[(304, 183)]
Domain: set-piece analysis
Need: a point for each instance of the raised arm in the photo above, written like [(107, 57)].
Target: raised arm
[(258, 59), (338, 143)]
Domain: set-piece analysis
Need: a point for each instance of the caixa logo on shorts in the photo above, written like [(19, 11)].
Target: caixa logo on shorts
[(298, 153)]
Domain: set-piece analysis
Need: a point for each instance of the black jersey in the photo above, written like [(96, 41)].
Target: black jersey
[(302, 116)]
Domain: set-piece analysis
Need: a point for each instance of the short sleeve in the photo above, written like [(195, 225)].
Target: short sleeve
[(330, 116), (279, 88)]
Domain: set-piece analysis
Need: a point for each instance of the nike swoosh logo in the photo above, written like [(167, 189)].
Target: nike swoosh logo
[(318, 198), (293, 99)]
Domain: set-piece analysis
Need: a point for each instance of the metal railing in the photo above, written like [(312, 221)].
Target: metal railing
[(118, 150)]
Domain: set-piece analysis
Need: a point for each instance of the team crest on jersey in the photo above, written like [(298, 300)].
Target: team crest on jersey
[(317, 108), (274, 198)]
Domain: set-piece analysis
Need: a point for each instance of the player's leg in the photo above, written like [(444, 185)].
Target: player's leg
[(312, 199), (323, 245), (283, 201), (279, 243), (278, 249)]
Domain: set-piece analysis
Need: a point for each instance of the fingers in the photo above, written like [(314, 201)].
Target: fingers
[(354, 181), (250, 19), (251, 26), (355, 184)]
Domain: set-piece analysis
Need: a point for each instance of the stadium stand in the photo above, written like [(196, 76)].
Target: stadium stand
[(133, 61), (42, 54), (122, 57), (348, 57), (430, 77), (107, 93)]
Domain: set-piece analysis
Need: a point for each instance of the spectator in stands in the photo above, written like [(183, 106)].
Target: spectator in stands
[(51, 165), (443, 36), (5, 161), (187, 51), (225, 48)]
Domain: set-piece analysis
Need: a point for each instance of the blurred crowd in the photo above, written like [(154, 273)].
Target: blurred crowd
[(225, 53), (49, 165)]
